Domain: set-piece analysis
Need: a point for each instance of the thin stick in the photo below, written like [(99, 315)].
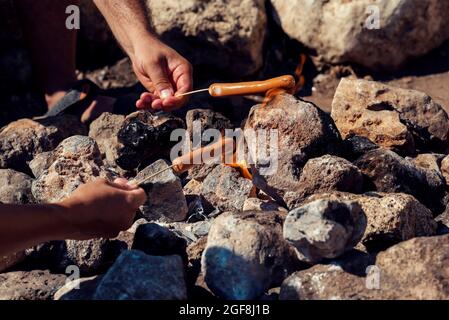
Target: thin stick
[(142, 181), (191, 92)]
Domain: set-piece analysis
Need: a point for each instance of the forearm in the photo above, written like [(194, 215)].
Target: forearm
[(128, 21), (24, 226)]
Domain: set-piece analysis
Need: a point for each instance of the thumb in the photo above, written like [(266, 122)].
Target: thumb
[(159, 76)]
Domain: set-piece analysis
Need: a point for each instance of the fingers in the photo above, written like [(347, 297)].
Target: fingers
[(136, 198), (159, 75)]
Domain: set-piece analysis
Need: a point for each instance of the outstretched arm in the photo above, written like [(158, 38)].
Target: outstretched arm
[(158, 67), (95, 210)]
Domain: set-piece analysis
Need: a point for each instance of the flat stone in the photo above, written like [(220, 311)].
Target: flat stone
[(166, 199), (137, 276)]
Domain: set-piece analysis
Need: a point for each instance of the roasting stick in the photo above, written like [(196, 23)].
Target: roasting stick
[(183, 163), (246, 88)]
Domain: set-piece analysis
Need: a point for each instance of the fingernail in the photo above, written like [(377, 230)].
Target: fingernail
[(166, 93)]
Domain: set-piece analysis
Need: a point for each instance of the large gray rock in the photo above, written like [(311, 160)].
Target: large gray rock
[(392, 217), (388, 172), (21, 140), (324, 174), (230, 34), (226, 189), (324, 229), (342, 31), (77, 160), (304, 132), (137, 276), (394, 118), (33, 285), (246, 255), (166, 200)]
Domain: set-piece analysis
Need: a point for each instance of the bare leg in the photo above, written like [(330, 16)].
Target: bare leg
[(53, 51), (52, 46)]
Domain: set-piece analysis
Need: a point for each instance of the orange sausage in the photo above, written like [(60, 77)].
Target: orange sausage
[(246, 88), (185, 162)]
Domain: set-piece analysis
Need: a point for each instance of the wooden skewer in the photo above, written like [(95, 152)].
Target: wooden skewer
[(191, 92), (142, 181)]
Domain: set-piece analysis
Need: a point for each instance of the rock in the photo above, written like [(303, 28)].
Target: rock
[(391, 217), (91, 256), (324, 282), (412, 270), (200, 120), (81, 289), (41, 162), (156, 240), (246, 255), (226, 189), (388, 172), (200, 172), (11, 260), (415, 269), (16, 187), (443, 223), (356, 146), (445, 169), (104, 131), (166, 200), (304, 132), (431, 161), (324, 174), (394, 118), (33, 285), (145, 138), (348, 31), (256, 204), (324, 229), (137, 276), (230, 34), (21, 140), (77, 160)]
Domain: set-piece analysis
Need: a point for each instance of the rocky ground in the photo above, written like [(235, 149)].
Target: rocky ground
[(358, 208)]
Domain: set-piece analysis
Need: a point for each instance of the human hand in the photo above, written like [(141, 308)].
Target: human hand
[(101, 209), (164, 73)]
